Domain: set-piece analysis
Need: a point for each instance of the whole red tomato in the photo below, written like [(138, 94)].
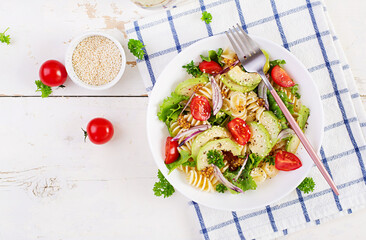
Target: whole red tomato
[(99, 130), (53, 73)]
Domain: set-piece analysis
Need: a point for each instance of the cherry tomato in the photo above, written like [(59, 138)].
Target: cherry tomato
[(171, 150), (99, 130), (200, 108), (280, 76), (53, 73), (239, 130), (210, 67), (287, 161)]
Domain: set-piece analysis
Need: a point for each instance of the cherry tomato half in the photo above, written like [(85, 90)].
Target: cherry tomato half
[(171, 150), (99, 130), (53, 73), (239, 130), (200, 108), (280, 76), (287, 161), (210, 67)]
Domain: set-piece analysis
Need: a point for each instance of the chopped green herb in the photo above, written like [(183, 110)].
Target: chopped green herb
[(295, 91), (190, 163), (206, 17), (270, 160), (307, 185), (163, 187), (276, 62), (136, 48), (44, 89), (218, 119), (192, 69), (221, 188), (5, 38), (216, 158)]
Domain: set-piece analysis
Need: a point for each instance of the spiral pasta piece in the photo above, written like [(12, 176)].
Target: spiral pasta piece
[(197, 180), (269, 169), (258, 175)]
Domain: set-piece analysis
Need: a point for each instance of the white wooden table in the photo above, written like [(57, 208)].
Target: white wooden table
[(55, 186)]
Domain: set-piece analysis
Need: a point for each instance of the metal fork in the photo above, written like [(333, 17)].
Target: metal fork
[(253, 60)]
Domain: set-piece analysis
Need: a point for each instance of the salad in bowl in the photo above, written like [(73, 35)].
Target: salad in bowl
[(226, 131)]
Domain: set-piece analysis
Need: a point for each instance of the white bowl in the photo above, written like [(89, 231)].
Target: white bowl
[(271, 190), (70, 68)]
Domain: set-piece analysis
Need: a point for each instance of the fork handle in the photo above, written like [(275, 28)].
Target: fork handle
[(305, 142)]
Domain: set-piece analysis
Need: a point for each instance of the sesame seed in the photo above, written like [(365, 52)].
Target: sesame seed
[(96, 60)]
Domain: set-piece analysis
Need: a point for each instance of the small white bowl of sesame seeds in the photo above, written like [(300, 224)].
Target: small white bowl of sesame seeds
[(95, 60)]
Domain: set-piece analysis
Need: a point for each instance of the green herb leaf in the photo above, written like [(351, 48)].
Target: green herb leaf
[(295, 91), (192, 69), (136, 48), (5, 38), (276, 62), (214, 56), (206, 17), (44, 89), (244, 182), (307, 185), (216, 158), (221, 188), (270, 160), (218, 119), (169, 106), (190, 163), (183, 158), (163, 187)]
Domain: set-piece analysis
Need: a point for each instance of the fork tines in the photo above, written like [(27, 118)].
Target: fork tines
[(242, 43)]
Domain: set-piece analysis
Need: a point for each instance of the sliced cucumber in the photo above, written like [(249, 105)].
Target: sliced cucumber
[(186, 88), (272, 124), (234, 86), (237, 75), (213, 133), (260, 141), (225, 144)]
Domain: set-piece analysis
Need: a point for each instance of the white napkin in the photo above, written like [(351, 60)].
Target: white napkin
[(303, 27)]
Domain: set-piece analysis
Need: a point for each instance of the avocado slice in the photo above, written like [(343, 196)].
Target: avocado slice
[(293, 144), (225, 144), (185, 88), (294, 141), (266, 65), (246, 79), (272, 124), (234, 86), (303, 116), (213, 133), (260, 142)]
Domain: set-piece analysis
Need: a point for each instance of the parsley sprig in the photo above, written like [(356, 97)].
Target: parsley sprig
[(192, 69), (216, 158), (206, 17), (44, 89), (221, 188), (295, 91), (5, 38), (307, 185), (136, 48), (163, 187), (276, 62)]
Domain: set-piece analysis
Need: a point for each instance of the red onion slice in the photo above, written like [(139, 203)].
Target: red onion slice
[(241, 169), (189, 100), (285, 133), (227, 68), (216, 96), (262, 93), (189, 137), (223, 180), (201, 128)]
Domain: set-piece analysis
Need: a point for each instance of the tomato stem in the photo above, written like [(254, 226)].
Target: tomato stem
[(85, 134)]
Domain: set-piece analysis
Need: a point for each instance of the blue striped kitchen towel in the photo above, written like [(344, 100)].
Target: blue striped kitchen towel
[(302, 27)]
